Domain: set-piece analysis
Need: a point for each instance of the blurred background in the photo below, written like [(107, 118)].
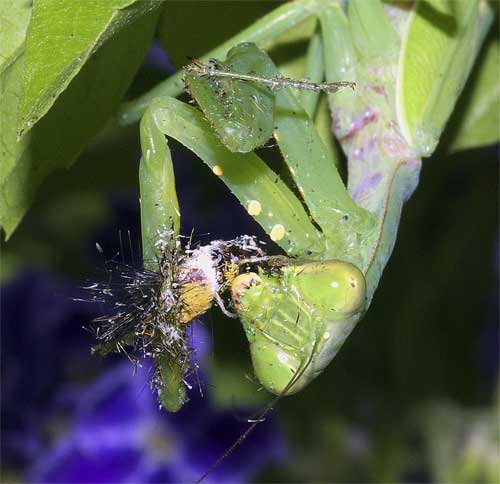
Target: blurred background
[(412, 396)]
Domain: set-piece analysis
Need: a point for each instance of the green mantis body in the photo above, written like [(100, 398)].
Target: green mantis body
[(294, 319), (318, 328)]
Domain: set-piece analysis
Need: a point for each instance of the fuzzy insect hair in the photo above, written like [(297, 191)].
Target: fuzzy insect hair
[(146, 305), (149, 306)]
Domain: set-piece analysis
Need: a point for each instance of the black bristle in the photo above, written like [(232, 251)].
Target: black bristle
[(146, 306)]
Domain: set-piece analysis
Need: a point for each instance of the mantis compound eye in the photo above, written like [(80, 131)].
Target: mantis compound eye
[(335, 288), (293, 318)]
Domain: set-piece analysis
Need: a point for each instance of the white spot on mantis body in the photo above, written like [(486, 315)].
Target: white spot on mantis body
[(217, 170), (334, 284), (326, 335), (282, 357), (254, 207), (277, 233)]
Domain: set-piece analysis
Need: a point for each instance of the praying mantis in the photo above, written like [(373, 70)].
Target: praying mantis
[(337, 238)]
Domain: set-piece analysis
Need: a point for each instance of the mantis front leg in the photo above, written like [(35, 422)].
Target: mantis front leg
[(260, 190), (281, 214)]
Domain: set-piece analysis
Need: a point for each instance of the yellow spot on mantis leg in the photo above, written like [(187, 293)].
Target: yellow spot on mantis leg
[(254, 207), (218, 170), (277, 232), (483, 4)]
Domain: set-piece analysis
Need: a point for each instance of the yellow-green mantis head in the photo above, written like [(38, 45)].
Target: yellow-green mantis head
[(296, 318)]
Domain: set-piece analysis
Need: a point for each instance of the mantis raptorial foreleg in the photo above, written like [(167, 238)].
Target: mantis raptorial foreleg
[(246, 175), (249, 178), (313, 170)]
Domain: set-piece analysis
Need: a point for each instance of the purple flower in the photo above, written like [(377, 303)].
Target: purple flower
[(58, 428), (158, 59), (120, 435), (43, 347)]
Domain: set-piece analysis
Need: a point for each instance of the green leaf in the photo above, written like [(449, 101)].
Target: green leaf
[(10, 92), (240, 112), (479, 122), (61, 38), (14, 19), (76, 117), (439, 47)]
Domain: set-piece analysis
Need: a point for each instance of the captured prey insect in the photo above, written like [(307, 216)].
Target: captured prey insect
[(153, 307)]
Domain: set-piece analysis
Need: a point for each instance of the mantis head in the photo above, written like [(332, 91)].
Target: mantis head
[(291, 314)]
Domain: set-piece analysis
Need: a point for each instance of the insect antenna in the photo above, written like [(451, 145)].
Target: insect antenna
[(261, 416)]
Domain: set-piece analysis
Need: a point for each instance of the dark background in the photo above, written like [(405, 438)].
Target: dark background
[(410, 398)]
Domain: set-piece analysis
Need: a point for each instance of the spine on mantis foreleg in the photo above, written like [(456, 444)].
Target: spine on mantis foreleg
[(296, 318)]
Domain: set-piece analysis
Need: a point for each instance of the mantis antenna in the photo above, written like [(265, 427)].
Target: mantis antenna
[(260, 417)]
